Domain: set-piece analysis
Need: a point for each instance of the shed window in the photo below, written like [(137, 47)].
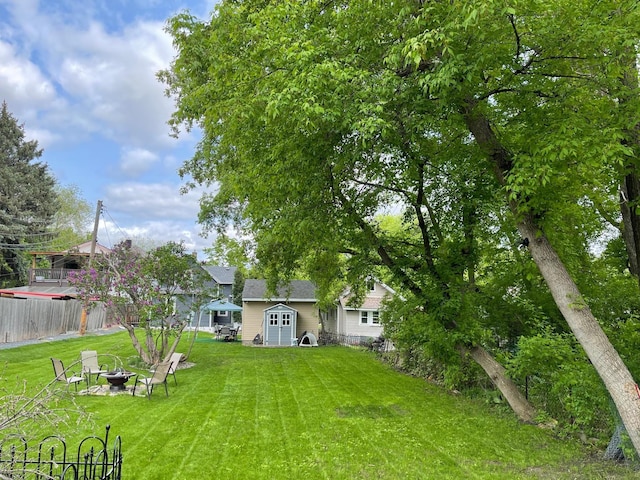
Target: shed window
[(273, 319), (286, 319)]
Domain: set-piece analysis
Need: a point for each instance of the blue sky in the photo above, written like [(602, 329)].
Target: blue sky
[(80, 76)]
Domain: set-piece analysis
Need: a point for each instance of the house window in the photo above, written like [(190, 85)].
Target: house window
[(371, 285), (369, 317)]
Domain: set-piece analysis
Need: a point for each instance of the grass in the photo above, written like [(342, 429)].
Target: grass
[(307, 413)]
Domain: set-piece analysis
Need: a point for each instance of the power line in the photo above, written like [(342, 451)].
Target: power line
[(122, 232)]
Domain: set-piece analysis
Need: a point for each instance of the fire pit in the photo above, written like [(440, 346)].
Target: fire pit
[(117, 379)]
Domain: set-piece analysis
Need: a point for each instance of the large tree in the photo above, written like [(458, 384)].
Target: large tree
[(27, 199), (72, 222), (475, 117)]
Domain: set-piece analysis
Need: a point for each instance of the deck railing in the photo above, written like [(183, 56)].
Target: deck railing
[(38, 275)]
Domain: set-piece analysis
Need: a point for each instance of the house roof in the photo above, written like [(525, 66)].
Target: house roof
[(370, 302), (295, 291), (221, 275)]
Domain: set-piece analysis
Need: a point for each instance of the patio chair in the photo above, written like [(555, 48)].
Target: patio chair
[(225, 333), (159, 378), (90, 365), (61, 374), (174, 360)]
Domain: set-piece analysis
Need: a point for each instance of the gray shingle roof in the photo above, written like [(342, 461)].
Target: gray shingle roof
[(296, 291), (221, 275)]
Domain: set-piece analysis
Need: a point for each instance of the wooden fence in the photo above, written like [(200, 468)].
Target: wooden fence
[(28, 319)]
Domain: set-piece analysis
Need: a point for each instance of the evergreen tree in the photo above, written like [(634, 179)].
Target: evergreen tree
[(27, 199)]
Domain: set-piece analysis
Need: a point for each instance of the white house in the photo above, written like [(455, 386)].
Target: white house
[(363, 321)]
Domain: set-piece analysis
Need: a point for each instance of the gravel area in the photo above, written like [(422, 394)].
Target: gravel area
[(62, 336)]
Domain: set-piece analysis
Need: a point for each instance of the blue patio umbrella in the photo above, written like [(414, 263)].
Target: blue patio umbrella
[(217, 306)]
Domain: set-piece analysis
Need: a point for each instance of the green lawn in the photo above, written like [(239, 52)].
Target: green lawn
[(304, 413)]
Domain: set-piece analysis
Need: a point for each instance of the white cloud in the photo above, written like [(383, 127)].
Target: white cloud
[(152, 201), (22, 84), (152, 234), (107, 78), (137, 161)]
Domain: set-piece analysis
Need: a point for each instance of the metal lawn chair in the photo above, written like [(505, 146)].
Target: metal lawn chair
[(159, 378), (90, 365), (61, 374), (225, 333), (174, 360)]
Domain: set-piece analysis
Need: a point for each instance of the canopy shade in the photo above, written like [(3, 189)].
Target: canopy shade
[(222, 306)]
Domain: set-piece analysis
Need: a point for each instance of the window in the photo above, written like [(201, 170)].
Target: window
[(223, 313), (371, 285), (273, 319), (369, 317), (286, 319)]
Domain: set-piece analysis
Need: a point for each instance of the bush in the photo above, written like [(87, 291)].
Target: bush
[(562, 383)]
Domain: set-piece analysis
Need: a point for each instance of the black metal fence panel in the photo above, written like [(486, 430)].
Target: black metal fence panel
[(51, 459)]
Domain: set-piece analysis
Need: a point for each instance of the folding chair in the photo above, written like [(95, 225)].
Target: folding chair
[(61, 374), (159, 378), (90, 365), (174, 360)]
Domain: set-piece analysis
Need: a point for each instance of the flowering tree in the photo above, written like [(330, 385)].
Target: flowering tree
[(147, 287)]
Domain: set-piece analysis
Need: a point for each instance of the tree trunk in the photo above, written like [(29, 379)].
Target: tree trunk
[(509, 390), (630, 219), (628, 233), (136, 343), (585, 327), (576, 312)]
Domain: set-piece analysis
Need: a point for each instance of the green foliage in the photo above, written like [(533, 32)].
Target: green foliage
[(562, 383), (27, 199), (69, 224), (227, 250)]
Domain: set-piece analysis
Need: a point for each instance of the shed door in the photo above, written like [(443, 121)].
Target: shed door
[(279, 328)]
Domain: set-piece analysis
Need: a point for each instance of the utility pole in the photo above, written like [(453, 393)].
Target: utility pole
[(94, 240), (94, 235)]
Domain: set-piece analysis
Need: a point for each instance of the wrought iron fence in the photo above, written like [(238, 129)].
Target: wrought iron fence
[(378, 344), (51, 459)]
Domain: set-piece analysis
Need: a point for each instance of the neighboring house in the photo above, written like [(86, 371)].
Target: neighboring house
[(60, 263), (221, 285), (279, 319), (51, 281), (354, 323)]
